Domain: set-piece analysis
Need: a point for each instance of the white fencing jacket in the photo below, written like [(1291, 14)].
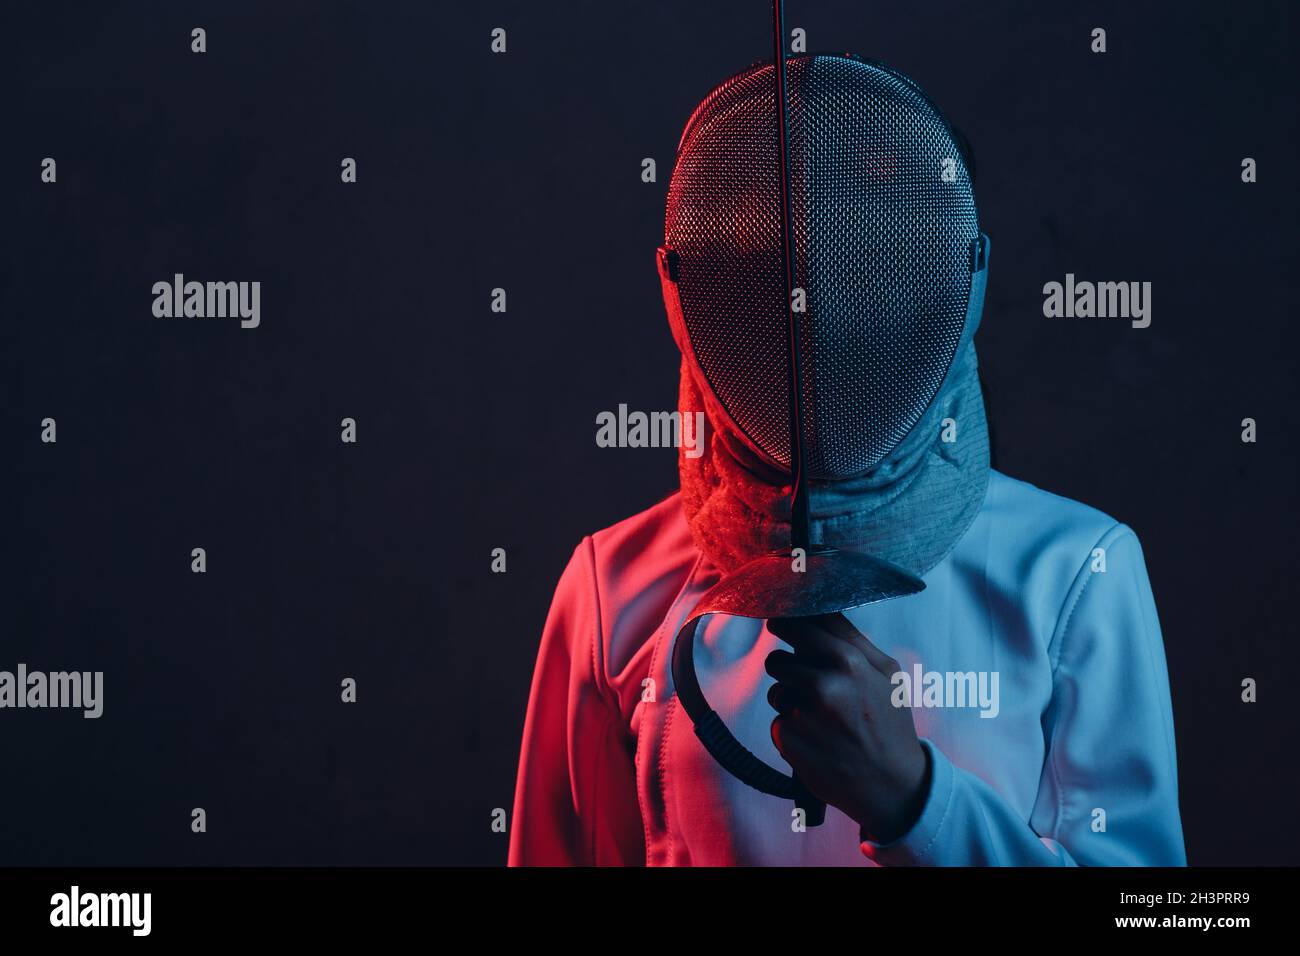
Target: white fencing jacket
[(1070, 762)]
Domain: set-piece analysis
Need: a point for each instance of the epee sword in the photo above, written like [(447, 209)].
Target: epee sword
[(770, 586)]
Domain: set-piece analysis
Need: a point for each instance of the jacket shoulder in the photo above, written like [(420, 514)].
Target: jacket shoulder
[(640, 566), (1041, 546), (1028, 514)]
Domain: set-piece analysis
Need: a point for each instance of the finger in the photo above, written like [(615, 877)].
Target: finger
[(845, 650), (840, 626), (811, 639), (785, 698), (789, 669), (792, 742)]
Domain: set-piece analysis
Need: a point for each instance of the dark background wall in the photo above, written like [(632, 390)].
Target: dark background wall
[(476, 430)]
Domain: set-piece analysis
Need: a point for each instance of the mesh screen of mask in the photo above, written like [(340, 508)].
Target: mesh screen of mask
[(883, 219)]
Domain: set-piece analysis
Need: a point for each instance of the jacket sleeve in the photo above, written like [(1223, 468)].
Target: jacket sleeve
[(1108, 793), (575, 795)]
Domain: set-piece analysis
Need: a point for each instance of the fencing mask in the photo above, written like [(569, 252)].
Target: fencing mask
[(888, 288), (823, 274)]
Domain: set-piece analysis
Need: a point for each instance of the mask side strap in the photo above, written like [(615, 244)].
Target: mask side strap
[(979, 278)]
